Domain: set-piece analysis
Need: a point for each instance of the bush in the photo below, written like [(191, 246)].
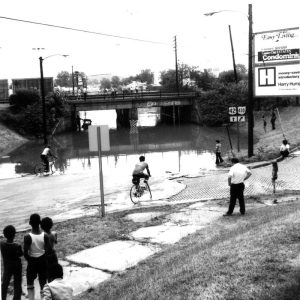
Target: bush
[(22, 98)]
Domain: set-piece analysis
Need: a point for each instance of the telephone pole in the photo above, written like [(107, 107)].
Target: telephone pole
[(176, 64)]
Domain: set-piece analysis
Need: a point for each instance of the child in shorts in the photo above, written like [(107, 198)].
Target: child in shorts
[(11, 253), (36, 247)]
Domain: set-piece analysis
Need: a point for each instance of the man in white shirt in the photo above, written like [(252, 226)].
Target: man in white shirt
[(238, 173)]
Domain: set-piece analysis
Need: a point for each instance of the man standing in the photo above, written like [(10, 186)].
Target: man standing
[(238, 173), (219, 158)]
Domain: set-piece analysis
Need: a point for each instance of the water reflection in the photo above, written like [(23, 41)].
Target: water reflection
[(184, 149)]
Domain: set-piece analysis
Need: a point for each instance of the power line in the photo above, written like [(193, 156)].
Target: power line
[(82, 30)]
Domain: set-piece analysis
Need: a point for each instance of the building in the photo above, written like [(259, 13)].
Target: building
[(33, 84), (4, 90)]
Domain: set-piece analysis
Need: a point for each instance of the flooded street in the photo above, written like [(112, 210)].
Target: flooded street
[(184, 149)]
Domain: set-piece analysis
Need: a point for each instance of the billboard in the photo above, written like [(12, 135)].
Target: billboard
[(33, 84), (279, 80), (277, 62)]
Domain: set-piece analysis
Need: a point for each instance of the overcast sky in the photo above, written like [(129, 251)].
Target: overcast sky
[(202, 41)]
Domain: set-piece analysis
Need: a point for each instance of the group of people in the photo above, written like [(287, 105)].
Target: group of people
[(42, 262)]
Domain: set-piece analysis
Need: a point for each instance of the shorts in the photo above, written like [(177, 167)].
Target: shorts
[(37, 266)]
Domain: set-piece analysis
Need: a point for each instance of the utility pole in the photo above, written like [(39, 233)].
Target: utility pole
[(72, 81), (233, 59), (43, 101), (176, 64), (250, 87)]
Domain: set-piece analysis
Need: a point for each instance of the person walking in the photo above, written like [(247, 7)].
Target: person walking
[(12, 266), (219, 158), (238, 173), (273, 119), (264, 123)]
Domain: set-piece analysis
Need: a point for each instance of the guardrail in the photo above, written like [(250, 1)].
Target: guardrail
[(132, 96), (4, 100)]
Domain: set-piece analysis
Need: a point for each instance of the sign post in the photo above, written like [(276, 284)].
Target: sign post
[(99, 141), (237, 115)]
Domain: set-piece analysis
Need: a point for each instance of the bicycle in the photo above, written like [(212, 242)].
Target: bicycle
[(140, 192), (39, 168)]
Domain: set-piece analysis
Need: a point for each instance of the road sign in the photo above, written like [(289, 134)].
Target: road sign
[(93, 138), (241, 110), (232, 110), (237, 118)]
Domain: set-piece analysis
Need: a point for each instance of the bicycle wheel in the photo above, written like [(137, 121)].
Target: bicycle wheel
[(134, 194), (39, 169)]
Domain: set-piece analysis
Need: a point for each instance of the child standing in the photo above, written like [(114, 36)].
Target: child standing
[(36, 246), (219, 159), (46, 225), (11, 253)]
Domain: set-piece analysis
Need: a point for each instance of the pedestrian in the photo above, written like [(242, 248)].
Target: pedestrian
[(57, 288), (284, 149), (273, 118), (51, 257), (12, 266), (238, 173), (36, 246), (78, 124), (264, 123), (219, 158), (274, 174)]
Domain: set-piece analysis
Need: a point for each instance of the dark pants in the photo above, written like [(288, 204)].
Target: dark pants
[(12, 269), (37, 266), (136, 178), (46, 162), (237, 192), (273, 124), (219, 159)]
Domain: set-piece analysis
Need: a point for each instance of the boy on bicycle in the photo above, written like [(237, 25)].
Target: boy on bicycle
[(139, 168), (45, 157)]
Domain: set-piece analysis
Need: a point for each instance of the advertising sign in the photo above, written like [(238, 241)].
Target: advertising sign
[(280, 80), (277, 46)]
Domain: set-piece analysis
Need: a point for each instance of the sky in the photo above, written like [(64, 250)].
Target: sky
[(201, 41)]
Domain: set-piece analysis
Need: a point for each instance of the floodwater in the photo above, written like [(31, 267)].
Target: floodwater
[(180, 149)]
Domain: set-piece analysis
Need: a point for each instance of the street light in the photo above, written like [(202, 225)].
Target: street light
[(43, 94), (250, 75)]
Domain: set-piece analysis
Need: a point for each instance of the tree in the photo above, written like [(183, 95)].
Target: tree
[(204, 80), (115, 82), (63, 78), (105, 83), (23, 98), (168, 79), (228, 76), (145, 76)]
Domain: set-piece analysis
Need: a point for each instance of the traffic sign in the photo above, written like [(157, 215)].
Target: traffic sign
[(241, 110), (237, 118), (232, 110)]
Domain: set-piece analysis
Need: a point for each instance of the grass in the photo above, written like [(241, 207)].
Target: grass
[(234, 258)]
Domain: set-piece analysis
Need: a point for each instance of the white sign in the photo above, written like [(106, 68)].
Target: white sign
[(280, 80), (237, 118), (93, 138), (277, 46), (241, 110), (232, 110)]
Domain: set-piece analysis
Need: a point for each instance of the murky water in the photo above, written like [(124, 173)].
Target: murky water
[(168, 149)]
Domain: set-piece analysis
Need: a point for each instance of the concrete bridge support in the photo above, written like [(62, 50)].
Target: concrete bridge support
[(123, 117), (176, 114)]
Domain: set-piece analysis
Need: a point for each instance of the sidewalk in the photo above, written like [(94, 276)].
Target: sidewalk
[(88, 268)]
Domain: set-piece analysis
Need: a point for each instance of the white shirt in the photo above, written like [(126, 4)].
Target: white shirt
[(237, 173), (37, 247), (285, 147), (57, 289)]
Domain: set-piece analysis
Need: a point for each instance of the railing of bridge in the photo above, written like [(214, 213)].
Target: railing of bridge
[(158, 95)]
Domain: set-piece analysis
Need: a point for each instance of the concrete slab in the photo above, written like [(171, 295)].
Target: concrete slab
[(164, 234), (114, 256), (143, 217)]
